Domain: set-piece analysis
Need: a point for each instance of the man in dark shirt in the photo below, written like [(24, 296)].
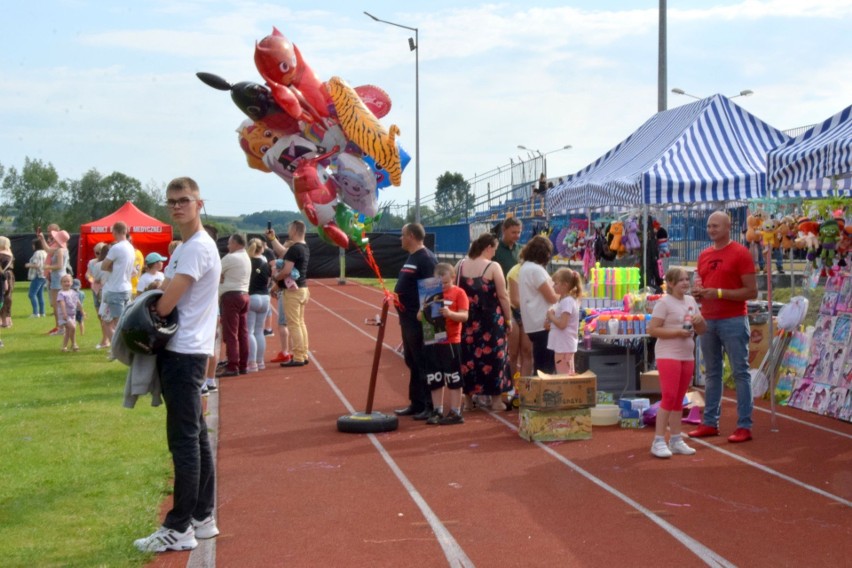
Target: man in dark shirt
[(508, 248), (419, 264)]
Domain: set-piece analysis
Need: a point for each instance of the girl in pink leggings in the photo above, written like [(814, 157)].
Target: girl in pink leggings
[(674, 323)]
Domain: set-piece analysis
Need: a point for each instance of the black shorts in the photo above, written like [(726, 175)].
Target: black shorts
[(442, 362)]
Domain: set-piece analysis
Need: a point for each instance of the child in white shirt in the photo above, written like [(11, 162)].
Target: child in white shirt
[(564, 319)]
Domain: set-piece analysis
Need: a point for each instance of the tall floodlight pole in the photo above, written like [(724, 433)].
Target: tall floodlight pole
[(662, 102), (413, 45)]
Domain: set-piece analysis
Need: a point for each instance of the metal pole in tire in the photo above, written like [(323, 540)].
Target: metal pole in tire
[(368, 421)]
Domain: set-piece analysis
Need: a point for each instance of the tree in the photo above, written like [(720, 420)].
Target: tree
[(453, 198), (35, 194), (94, 196), (427, 215)]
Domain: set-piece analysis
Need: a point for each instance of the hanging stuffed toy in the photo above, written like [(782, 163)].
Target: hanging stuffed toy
[(769, 235), (589, 254), (829, 234), (753, 223), (616, 231), (808, 238), (631, 236), (787, 232), (662, 240)]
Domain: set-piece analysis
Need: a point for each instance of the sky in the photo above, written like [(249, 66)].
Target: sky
[(112, 86)]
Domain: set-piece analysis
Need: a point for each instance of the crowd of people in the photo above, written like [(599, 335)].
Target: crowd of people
[(504, 314), (516, 319)]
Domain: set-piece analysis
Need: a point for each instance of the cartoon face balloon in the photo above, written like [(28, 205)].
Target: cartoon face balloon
[(357, 184), (282, 158)]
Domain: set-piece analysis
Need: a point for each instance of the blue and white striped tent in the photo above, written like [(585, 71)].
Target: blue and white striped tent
[(817, 163), (709, 150)]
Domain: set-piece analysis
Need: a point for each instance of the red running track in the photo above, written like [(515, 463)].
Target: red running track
[(295, 492)]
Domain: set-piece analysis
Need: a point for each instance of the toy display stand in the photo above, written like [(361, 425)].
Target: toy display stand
[(369, 422)]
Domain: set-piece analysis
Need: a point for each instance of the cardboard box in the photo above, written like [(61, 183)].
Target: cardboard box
[(630, 413), (557, 392), (649, 382), (555, 425), (639, 404)]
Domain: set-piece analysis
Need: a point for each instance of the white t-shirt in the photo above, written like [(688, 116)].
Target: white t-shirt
[(197, 309), (147, 278), (236, 272), (533, 305), (565, 340), (122, 256), (672, 311)]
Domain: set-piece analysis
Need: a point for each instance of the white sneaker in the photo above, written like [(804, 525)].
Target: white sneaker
[(252, 367), (206, 528), (660, 449), (167, 539), (680, 447)]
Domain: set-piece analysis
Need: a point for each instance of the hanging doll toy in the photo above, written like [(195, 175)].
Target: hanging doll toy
[(829, 234), (616, 234), (662, 240), (753, 224), (631, 236), (808, 238), (844, 245), (787, 232), (589, 254), (769, 235)]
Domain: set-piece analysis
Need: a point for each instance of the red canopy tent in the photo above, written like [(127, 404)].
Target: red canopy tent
[(147, 233)]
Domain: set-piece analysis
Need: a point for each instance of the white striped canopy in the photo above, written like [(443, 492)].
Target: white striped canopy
[(709, 150), (815, 162)]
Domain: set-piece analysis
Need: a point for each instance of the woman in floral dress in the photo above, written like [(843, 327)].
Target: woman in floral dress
[(484, 348)]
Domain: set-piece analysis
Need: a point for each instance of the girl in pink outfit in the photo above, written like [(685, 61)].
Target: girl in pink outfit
[(564, 320), (674, 323), (67, 304)]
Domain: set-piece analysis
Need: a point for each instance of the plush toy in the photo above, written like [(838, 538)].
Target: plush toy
[(844, 246), (616, 230), (631, 236), (769, 234), (829, 234), (787, 232), (808, 238), (753, 223), (663, 247)]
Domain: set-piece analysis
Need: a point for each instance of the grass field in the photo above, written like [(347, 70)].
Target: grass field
[(81, 476)]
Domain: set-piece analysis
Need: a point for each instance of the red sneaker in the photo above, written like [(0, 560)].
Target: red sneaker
[(740, 435), (704, 431), (282, 358), (54, 331)]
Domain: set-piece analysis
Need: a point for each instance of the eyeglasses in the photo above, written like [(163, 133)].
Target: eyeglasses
[(178, 203)]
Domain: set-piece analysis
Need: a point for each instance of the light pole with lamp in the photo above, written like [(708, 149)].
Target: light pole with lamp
[(743, 93), (544, 155), (413, 45)]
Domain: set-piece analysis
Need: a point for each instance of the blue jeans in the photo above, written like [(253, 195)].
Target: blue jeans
[(116, 301), (730, 335), (181, 376), (258, 308), (36, 295)]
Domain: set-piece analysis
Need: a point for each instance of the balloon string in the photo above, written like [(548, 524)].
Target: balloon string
[(390, 297)]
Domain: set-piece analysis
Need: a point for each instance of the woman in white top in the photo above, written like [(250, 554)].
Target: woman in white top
[(537, 295), (37, 278)]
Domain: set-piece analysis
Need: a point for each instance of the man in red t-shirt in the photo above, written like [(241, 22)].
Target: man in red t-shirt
[(726, 279)]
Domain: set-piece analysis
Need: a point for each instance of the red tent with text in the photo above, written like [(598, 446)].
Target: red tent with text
[(147, 234)]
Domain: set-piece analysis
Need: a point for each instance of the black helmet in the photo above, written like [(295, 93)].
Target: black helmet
[(143, 331)]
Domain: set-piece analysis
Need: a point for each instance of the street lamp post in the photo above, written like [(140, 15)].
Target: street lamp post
[(413, 45), (544, 155), (743, 93)]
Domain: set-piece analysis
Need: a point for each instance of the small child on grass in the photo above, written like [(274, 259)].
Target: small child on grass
[(80, 317), (443, 359), (67, 302)]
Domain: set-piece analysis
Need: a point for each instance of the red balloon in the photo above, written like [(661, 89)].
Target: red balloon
[(316, 196)]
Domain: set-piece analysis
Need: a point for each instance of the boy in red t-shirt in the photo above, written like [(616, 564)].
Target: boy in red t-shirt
[(443, 359)]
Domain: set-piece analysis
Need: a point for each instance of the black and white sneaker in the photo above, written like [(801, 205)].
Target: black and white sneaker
[(452, 418), (205, 529), (164, 539), (435, 417)]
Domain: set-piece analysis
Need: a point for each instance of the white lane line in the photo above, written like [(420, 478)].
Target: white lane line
[(337, 290), (705, 554), (792, 418), (454, 553), (391, 348), (771, 471)]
